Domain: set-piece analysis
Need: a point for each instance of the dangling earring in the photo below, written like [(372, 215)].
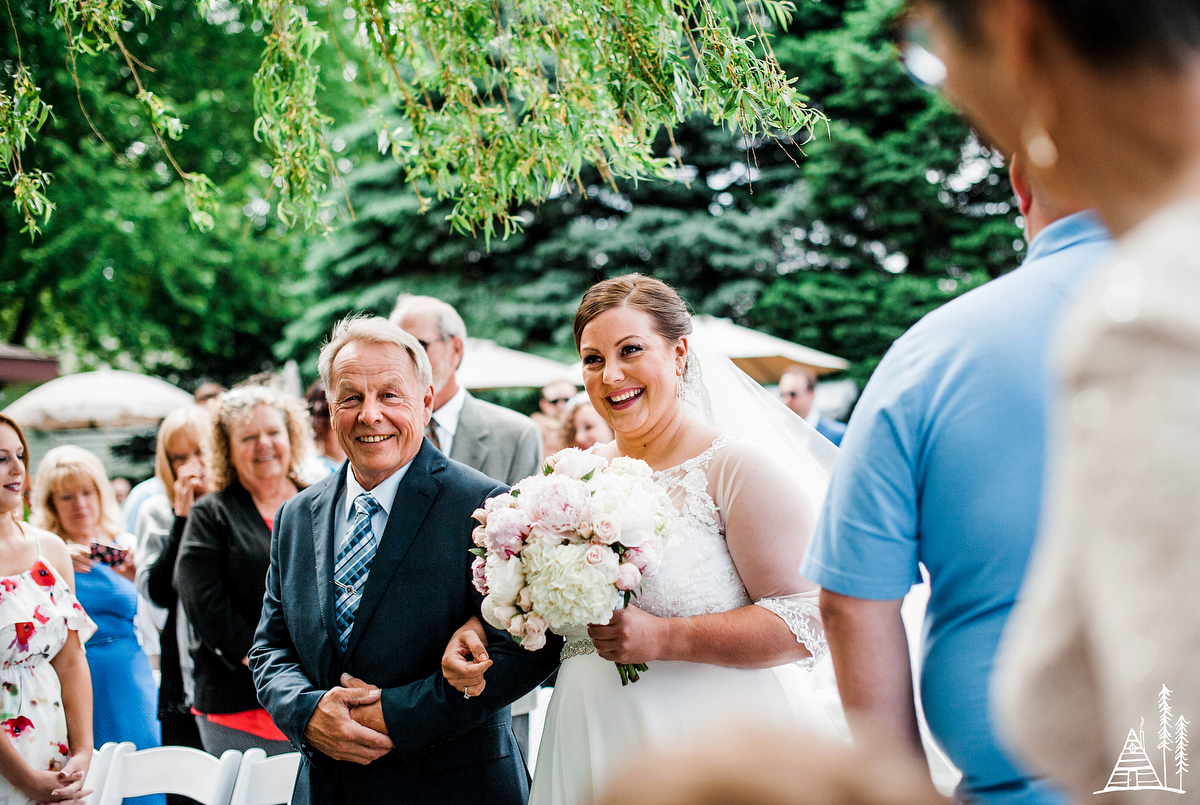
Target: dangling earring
[(1041, 150)]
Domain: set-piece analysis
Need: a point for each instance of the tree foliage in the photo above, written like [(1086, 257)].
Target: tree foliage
[(897, 210), (500, 100), (118, 275)]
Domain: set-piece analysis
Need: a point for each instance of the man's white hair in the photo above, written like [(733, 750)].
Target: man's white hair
[(362, 329), (448, 321)]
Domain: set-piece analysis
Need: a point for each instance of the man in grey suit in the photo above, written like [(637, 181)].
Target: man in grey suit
[(500, 443)]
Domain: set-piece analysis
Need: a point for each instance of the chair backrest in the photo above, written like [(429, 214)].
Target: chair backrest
[(170, 770), (266, 781), (98, 770)]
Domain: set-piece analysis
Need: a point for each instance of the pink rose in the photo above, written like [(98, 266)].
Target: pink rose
[(595, 554), (478, 576), (556, 503), (516, 627), (477, 535), (535, 633), (506, 531), (605, 529), (628, 576), (644, 559), (479, 516), (501, 501), (525, 598)]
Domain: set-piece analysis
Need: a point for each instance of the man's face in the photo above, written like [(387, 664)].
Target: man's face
[(445, 353), (555, 397), (378, 408), (794, 390)]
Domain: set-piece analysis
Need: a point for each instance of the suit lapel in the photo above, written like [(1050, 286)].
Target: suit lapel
[(324, 514), (470, 437), (414, 498)]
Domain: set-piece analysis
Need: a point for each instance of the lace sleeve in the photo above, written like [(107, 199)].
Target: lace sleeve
[(803, 616), (768, 523)]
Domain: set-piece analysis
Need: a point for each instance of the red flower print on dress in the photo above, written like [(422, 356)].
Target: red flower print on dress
[(16, 726), (9, 585), (40, 616), (24, 632), (42, 575), (64, 750)]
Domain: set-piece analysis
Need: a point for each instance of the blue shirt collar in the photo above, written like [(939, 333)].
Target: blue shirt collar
[(1072, 230)]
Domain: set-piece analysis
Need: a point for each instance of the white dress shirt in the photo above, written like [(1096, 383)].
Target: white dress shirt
[(445, 420), (384, 493)]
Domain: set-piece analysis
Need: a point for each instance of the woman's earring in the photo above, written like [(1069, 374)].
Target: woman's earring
[(1042, 151)]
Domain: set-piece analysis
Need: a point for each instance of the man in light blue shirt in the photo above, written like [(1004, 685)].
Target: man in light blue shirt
[(942, 464)]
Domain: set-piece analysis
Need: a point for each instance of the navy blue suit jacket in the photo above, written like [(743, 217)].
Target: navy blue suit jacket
[(831, 429), (447, 749)]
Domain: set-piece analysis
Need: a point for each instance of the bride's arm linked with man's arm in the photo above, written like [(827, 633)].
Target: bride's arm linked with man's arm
[(358, 722)]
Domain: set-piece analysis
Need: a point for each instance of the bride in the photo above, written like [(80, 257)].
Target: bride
[(727, 621)]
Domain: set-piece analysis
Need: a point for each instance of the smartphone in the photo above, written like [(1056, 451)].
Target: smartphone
[(107, 553)]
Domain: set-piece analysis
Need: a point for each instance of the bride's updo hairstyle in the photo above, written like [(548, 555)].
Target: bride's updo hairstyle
[(670, 314)]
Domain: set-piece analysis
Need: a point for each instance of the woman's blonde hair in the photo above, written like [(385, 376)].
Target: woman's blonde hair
[(235, 405), (193, 422), (70, 465)]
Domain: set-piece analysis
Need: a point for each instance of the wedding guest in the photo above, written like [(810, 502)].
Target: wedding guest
[(797, 387), (500, 443), (180, 465), (208, 394), (73, 498), (134, 500), (46, 699), (329, 453), (259, 440), (1103, 99), (549, 414), (749, 766), (942, 465), (582, 427), (121, 488)]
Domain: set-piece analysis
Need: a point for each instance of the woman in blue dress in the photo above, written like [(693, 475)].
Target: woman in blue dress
[(74, 499)]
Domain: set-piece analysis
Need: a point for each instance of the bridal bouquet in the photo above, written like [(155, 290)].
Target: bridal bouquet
[(563, 548)]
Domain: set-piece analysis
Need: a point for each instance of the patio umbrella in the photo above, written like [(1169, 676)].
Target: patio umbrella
[(19, 365), (487, 365), (764, 357), (107, 398)]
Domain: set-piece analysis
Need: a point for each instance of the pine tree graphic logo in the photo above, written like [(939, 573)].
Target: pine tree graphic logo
[(1134, 771)]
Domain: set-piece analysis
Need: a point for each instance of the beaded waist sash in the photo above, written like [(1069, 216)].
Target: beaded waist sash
[(576, 648)]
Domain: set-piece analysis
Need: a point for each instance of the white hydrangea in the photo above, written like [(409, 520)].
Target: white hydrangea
[(566, 589)]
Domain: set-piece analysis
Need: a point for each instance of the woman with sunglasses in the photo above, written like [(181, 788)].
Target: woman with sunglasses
[(1102, 98)]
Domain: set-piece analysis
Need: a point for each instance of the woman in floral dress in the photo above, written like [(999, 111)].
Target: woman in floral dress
[(45, 687)]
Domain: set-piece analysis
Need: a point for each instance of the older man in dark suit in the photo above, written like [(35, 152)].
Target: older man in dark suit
[(369, 578)]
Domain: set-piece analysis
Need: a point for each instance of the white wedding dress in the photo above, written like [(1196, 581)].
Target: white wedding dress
[(739, 539)]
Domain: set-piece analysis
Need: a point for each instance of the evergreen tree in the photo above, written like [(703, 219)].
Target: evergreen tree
[(1164, 725), (1181, 744), (893, 212)]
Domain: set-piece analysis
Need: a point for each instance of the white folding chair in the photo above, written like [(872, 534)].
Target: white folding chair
[(98, 770), (170, 770), (266, 780)]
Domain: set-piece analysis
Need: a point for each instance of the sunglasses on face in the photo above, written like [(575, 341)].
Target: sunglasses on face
[(557, 400), (426, 344)]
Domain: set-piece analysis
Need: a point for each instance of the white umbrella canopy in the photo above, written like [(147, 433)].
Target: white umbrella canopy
[(106, 398), (487, 365), (764, 357)]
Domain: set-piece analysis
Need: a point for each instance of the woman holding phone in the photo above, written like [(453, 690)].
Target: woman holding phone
[(73, 498)]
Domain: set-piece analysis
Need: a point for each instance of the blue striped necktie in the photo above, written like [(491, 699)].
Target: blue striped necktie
[(353, 564)]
